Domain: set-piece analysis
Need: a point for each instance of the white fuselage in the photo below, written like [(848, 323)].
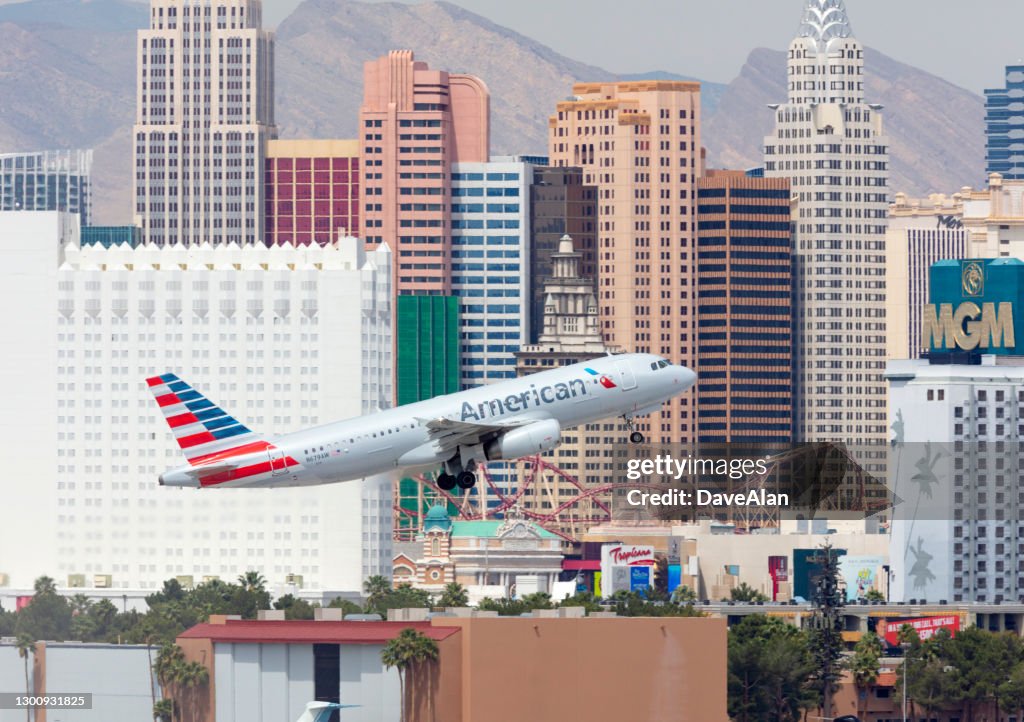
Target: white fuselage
[(399, 440)]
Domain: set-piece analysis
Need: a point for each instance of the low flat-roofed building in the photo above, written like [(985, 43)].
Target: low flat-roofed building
[(488, 669)]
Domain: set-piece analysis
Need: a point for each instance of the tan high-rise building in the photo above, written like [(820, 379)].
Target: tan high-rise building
[(203, 114), (413, 125), (639, 143)]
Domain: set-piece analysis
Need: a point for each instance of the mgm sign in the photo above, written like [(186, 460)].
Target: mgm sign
[(973, 306), (969, 327)]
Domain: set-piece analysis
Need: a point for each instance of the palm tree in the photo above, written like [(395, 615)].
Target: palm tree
[(407, 652), (26, 646), (454, 595), (191, 676), (252, 581), (864, 663), (45, 585), (376, 587), (169, 662)]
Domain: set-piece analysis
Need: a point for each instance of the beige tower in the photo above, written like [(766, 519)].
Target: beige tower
[(204, 111), (828, 142), (639, 143)]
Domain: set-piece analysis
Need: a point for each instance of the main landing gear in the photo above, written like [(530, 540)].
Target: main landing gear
[(463, 480), (635, 437)]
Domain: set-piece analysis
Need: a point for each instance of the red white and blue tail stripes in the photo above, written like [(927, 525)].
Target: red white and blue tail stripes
[(201, 428), (218, 446)]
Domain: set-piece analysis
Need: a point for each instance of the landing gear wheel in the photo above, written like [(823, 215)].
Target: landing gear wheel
[(636, 437), (446, 481), (466, 480)]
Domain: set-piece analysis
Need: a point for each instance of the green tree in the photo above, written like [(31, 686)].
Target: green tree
[(865, 663), (409, 652), (294, 607), (825, 636), (401, 597), (454, 595), (746, 593), (163, 710), (684, 595), (770, 670), (191, 678), (873, 595), (347, 606), (582, 599), (170, 660), (376, 587), (47, 616), (505, 607), (252, 581), (659, 589), (537, 600), (26, 648), (45, 585)]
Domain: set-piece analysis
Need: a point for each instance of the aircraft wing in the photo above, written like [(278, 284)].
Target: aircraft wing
[(449, 433)]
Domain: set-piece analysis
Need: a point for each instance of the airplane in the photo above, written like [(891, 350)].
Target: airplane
[(453, 434)]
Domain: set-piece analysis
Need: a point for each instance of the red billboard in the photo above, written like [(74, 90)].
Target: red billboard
[(925, 627)]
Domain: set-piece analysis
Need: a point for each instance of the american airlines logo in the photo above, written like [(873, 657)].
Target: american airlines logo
[(537, 396)]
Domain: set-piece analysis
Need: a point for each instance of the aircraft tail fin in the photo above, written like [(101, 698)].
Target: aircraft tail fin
[(203, 430)]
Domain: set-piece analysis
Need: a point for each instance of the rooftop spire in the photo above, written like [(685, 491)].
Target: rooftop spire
[(825, 20)]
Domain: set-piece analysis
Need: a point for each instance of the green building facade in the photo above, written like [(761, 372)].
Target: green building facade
[(427, 365)]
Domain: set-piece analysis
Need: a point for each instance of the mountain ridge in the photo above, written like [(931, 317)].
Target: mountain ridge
[(61, 87)]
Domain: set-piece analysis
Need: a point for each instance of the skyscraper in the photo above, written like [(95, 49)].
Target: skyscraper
[(414, 124), (204, 111), (490, 264), (828, 142), (560, 205), (312, 191), (1004, 126), (744, 310), (920, 232), (639, 143), (53, 180)]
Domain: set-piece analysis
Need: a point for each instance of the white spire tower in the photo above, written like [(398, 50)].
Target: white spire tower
[(829, 143), (826, 63)]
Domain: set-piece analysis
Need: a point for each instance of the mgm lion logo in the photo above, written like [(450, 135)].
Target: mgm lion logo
[(973, 279)]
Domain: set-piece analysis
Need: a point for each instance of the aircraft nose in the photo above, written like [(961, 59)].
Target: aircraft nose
[(686, 377)]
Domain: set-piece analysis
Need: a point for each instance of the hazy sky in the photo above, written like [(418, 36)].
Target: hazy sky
[(966, 43)]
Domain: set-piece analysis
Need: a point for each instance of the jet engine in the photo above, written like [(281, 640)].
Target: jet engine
[(525, 440)]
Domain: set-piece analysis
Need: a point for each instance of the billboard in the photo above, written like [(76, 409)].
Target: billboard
[(925, 627), (778, 569), (617, 562), (807, 567), (861, 574)]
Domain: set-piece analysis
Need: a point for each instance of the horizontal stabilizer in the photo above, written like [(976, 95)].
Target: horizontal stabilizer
[(199, 472)]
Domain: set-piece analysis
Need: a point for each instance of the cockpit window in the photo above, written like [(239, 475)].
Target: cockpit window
[(663, 364)]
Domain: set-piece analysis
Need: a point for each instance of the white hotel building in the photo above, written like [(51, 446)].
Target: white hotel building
[(956, 464), (283, 338)]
